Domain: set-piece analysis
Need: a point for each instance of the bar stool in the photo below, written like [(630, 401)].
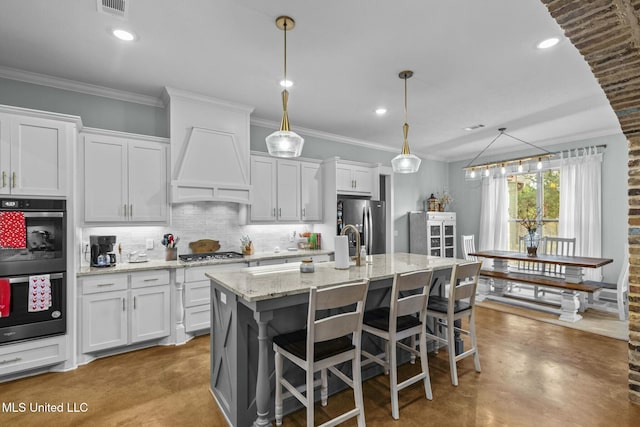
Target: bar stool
[(459, 304), (322, 345), (397, 322)]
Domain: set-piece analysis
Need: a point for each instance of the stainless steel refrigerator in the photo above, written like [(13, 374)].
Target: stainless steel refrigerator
[(369, 217)]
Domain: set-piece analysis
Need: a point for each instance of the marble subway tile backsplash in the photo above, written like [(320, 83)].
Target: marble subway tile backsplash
[(194, 221)]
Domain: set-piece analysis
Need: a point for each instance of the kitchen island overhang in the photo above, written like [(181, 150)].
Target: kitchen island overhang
[(251, 305)]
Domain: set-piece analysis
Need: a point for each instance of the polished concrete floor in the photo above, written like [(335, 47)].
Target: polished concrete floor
[(533, 374)]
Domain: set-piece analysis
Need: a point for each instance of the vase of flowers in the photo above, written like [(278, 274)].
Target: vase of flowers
[(444, 201), (531, 223)]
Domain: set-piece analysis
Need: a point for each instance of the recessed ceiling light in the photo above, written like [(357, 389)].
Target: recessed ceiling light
[(286, 83), (547, 43), (474, 127), (124, 35), (381, 111)]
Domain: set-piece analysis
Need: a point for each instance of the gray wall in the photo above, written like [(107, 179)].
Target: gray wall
[(410, 190), (614, 197), (96, 111)]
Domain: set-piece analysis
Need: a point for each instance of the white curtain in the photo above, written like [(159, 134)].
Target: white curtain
[(494, 214), (581, 204)]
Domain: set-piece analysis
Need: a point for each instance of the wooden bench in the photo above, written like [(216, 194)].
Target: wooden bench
[(534, 279), (572, 295)]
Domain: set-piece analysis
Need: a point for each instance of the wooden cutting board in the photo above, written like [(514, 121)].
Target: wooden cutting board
[(204, 245)]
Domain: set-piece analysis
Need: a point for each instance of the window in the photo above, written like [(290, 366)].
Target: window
[(528, 193)]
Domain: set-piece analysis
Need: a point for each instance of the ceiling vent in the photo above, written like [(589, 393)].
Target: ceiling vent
[(114, 7)]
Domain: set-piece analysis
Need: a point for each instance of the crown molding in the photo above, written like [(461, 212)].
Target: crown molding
[(324, 135), (75, 86), (173, 92), (120, 134)]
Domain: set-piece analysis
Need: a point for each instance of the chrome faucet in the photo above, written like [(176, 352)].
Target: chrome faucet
[(355, 230)]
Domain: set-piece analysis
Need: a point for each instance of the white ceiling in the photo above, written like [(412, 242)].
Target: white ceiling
[(475, 62)]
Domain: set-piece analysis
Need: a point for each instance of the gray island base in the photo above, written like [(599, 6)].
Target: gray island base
[(251, 305)]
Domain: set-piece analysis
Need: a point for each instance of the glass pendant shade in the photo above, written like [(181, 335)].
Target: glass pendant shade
[(406, 163), (284, 143)]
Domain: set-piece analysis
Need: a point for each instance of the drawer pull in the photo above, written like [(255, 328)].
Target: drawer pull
[(151, 280), (123, 307), (105, 284), (134, 303), (6, 361)]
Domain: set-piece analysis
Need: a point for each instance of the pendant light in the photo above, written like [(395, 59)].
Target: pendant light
[(405, 162), (470, 168), (283, 142)]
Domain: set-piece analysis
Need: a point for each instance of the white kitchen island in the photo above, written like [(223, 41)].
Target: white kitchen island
[(251, 305)]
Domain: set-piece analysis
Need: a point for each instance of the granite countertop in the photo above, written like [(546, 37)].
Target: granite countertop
[(125, 267), (268, 282)]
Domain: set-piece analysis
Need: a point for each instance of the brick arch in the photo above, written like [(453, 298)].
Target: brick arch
[(607, 34)]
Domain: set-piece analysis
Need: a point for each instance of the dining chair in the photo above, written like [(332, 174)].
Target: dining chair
[(485, 284), (404, 318), (459, 304), (468, 246), (332, 337), (529, 266), (564, 246), (614, 296)]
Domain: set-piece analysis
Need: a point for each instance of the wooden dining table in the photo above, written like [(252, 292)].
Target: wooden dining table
[(573, 265), (574, 294)]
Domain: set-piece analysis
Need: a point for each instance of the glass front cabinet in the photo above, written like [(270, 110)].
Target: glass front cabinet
[(433, 233)]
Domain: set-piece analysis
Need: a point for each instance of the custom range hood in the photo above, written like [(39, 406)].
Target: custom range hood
[(209, 148)]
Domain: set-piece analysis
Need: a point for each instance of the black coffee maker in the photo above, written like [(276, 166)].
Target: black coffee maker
[(101, 251)]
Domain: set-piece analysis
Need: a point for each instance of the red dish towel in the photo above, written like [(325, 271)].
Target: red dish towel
[(13, 230), (5, 297)]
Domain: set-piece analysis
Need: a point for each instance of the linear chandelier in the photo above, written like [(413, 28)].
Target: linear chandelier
[(519, 164)]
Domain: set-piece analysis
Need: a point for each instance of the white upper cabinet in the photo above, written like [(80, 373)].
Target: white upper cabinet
[(354, 179), (288, 190), (125, 178), (285, 190), (311, 191), (33, 154), (263, 179), (147, 181)]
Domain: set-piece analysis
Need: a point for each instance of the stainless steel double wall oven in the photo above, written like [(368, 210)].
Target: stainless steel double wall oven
[(44, 258)]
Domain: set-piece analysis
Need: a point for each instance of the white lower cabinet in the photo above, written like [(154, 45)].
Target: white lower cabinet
[(197, 295), (32, 354), (122, 309)]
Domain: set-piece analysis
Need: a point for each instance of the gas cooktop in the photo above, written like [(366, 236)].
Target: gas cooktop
[(209, 256)]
